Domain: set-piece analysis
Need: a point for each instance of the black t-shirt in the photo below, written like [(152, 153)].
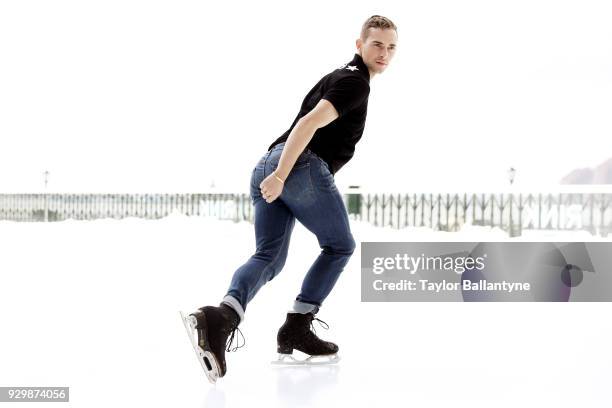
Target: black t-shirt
[(347, 88)]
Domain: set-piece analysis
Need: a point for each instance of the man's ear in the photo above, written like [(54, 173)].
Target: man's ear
[(359, 43)]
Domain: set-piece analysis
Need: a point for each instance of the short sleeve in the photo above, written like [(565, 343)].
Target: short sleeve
[(347, 94)]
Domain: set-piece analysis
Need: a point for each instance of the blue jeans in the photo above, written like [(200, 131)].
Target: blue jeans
[(310, 196)]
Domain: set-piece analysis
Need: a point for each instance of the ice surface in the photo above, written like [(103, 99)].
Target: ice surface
[(93, 306)]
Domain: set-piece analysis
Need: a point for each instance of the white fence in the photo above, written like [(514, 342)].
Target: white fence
[(448, 212)]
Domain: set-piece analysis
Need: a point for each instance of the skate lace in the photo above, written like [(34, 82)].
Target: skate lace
[(321, 322), (229, 341)]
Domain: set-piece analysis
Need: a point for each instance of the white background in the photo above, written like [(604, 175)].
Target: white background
[(170, 96)]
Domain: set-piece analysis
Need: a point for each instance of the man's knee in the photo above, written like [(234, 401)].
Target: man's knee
[(344, 247), (274, 261), (351, 244), (276, 256)]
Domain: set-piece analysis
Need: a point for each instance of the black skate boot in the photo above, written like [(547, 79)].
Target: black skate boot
[(209, 328), (296, 334)]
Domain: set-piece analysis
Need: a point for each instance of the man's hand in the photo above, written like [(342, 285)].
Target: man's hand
[(321, 115), (271, 188)]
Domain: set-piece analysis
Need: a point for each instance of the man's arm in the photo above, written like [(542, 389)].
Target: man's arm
[(320, 116)]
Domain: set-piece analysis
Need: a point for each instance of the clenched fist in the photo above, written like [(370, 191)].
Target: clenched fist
[(271, 187)]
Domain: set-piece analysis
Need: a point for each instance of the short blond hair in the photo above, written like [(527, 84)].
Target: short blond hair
[(376, 21)]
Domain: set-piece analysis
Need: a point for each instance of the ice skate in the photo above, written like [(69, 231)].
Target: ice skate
[(295, 334), (209, 328)]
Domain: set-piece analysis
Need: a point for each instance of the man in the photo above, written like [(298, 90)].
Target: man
[(295, 179)]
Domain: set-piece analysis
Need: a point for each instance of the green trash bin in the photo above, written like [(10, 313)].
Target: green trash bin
[(354, 201)]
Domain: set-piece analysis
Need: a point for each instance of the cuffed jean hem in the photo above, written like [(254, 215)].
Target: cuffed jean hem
[(301, 307), (234, 304)]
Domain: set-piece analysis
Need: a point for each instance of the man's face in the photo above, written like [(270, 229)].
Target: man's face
[(378, 49)]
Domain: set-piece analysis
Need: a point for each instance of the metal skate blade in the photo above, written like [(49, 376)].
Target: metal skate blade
[(289, 360), (206, 359)]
